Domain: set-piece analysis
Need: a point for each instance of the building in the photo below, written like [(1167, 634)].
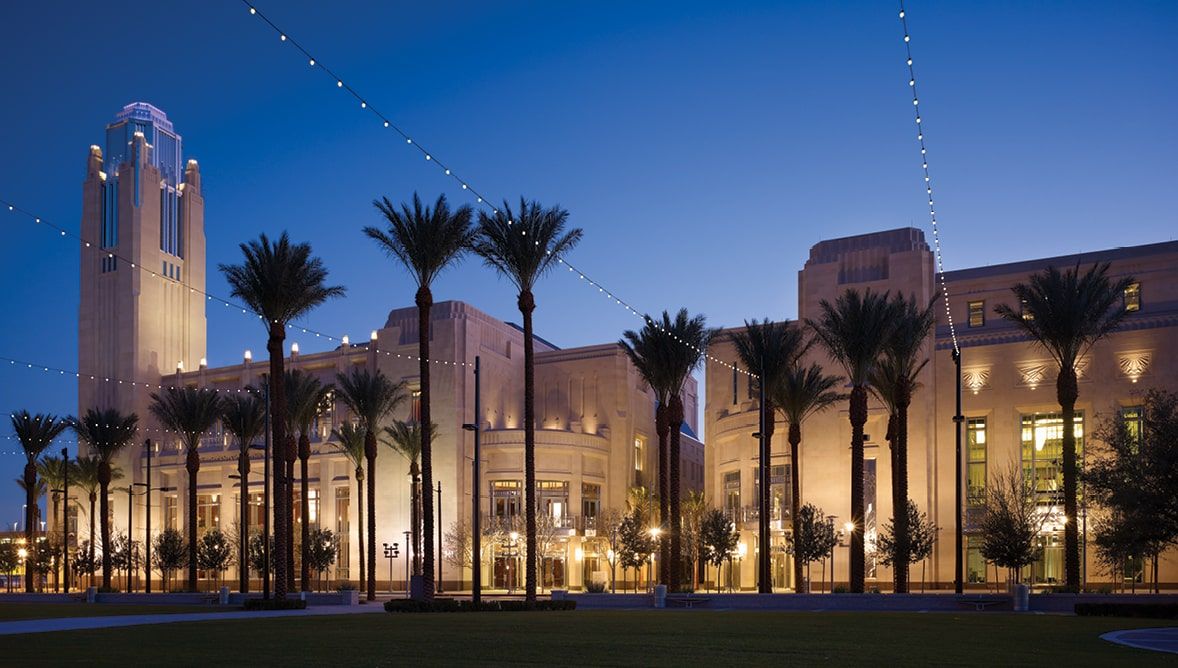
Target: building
[(595, 416), (1010, 409)]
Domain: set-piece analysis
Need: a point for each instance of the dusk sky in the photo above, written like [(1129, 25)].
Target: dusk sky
[(703, 147)]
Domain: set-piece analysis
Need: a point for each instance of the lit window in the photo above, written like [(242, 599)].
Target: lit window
[(1133, 419), (1133, 297), (415, 406), (975, 430), (1027, 315), (977, 313)]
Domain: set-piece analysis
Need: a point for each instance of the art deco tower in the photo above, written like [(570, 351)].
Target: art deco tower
[(142, 212)]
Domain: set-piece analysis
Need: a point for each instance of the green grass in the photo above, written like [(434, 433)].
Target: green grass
[(14, 611), (671, 638)]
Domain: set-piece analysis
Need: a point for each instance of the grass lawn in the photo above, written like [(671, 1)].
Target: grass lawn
[(671, 638), (14, 611)]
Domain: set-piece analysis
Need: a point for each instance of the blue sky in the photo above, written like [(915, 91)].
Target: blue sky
[(704, 147)]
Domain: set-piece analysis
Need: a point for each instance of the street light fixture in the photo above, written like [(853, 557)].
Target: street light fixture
[(391, 552)]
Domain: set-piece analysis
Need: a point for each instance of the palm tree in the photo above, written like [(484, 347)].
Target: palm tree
[(35, 433), (105, 433), (855, 330), (1065, 313), (689, 337), (191, 413), (308, 398), (88, 479), (370, 396), (53, 470), (648, 351), (800, 392), (281, 282), (523, 248), (243, 415), (350, 441), (407, 438), (426, 241), (767, 349), (893, 381)]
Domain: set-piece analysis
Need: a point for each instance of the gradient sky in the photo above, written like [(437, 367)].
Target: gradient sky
[(704, 147)]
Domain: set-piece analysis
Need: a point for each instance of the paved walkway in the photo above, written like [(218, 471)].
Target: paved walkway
[(1158, 640), (112, 621)]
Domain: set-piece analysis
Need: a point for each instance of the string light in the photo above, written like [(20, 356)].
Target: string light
[(447, 171), (927, 180)]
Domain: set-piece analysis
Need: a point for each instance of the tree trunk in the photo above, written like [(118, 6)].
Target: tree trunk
[(360, 523), (662, 428), (527, 304), (676, 547), (415, 516), (192, 464), (795, 496), (370, 455), (52, 531), (900, 490), (243, 569), (93, 500), (291, 457), (764, 571), (30, 516), (278, 438), (424, 302), (304, 465), (104, 475), (858, 562), (1067, 392)]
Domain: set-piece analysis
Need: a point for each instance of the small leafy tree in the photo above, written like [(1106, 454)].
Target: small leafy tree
[(922, 534), (694, 509), (1119, 541), (458, 546), (1011, 520), (635, 543), (40, 563), (83, 561), (321, 551), (257, 555), (170, 553), (815, 537), (719, 539), (214, 553), (9, 561)]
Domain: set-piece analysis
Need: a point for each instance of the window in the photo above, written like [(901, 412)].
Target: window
[(1027, 315), (732, 494), (639, 459), (975, 436), (505, 501), (1133, 418), (977, 313), (1042, 450), (415, 406), (735, 385), (975, 563), (343, 530), (778, 493), (1133, 297), (171, 511), (553, 499), (590, 500), (208, 512), (869, 514), (312, 506)]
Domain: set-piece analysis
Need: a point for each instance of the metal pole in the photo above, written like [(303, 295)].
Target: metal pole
[(266, 500), (764, 585), (476, 565), (958, 566), (147, 523), (407, 534), (439, 516), (65, 518), (130, 534)]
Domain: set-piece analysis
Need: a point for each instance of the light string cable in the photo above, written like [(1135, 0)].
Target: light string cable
[(64, 233), (463, 183), (928, 184)]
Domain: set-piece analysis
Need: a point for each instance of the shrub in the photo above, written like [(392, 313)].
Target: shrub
[(275, 604), (595, 587), (452, 605), (346, 586), (1140, 610), (840, 589)]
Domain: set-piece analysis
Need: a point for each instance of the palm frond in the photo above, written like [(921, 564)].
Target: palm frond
[(279, 280), (524, 245), (426, 240)]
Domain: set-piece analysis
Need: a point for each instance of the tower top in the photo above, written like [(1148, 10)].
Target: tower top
[(144, 111)]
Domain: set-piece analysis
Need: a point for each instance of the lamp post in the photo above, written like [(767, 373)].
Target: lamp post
[(407, 535), (391, 552), (958, 418), (512, 556), (476, 561), (439, 515), (265, 448)]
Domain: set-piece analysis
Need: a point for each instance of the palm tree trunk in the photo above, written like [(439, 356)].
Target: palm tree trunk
[(1067, 393), (764, 573), (243, 530), (304, 465), (858, 415), (675, 556), (53, 531), (93, 500), (193, 466), (278, 433), (30, 515), (527, 304), (360, 523), (424, 302), (900, 492), (370, 455), (415, 519), (104, 508), (795, 495), (662, 427), (290, 457)]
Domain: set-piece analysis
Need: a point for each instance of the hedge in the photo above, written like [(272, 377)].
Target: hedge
[(1143, 610), (275, 604), (454, 605)]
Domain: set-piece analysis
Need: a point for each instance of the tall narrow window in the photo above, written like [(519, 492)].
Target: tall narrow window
[(639, 459), (415, 406), (1133, 297), (1042, 454), (735, 385), (1133, 417), (975, 436), (1027, 315), (977, 313), (343, 530), (732, 494)]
